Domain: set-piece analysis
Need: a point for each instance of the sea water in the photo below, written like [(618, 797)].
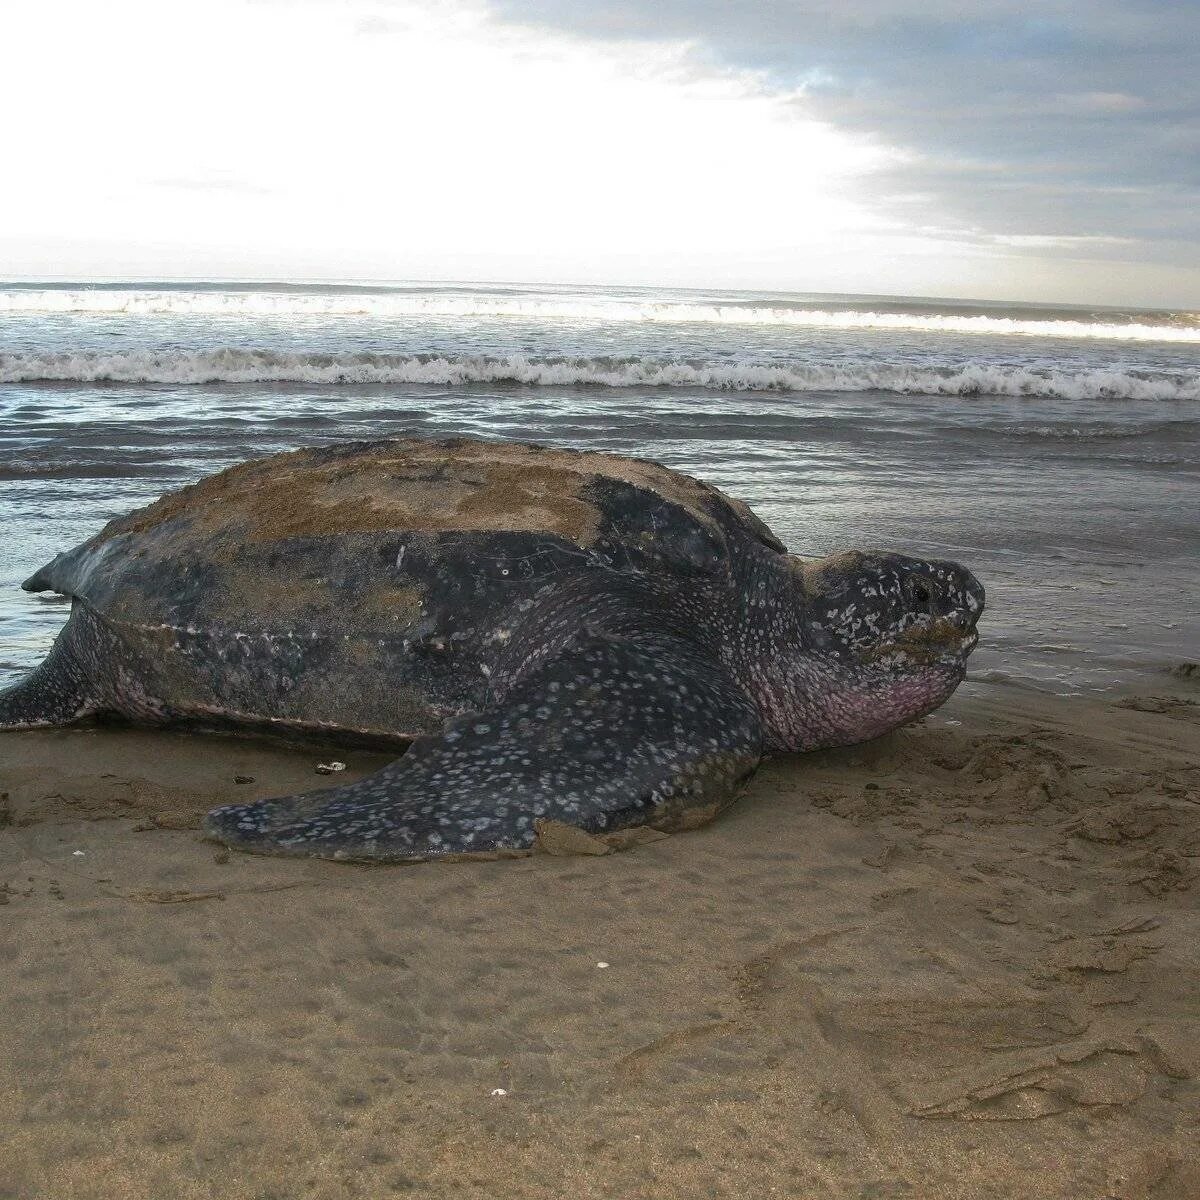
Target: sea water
[(1054, 450)]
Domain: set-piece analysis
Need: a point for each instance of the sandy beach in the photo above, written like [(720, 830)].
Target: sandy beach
[(962, 961), (608, 391)]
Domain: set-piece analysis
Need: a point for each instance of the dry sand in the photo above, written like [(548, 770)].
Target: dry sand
[(963, 961)]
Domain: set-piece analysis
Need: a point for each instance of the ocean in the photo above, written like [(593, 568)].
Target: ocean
[(1055, 450)]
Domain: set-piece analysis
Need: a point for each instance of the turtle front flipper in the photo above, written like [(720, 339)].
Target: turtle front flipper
[(609, 734)]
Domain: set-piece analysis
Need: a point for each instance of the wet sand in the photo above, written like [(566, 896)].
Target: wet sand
[(963, 961)]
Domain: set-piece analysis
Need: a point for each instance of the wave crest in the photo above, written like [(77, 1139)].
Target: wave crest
[(147, 302), (262, 366)]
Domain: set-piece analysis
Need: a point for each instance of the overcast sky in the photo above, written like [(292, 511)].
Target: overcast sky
[(993, 149)]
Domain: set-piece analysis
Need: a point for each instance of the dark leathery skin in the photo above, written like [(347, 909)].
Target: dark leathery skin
[(700, 642), (608, 734)]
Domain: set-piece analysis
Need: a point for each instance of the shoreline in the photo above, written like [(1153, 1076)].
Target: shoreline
[(960, 958)]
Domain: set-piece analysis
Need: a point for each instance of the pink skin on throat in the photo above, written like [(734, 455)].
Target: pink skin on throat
[(825, 703)]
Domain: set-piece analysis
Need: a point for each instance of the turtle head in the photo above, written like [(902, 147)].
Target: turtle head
[(881, 640)]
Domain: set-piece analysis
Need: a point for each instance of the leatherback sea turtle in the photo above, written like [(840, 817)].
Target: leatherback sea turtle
[(563, 636)]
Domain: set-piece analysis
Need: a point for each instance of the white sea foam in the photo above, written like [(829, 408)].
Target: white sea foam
[(147, 302), (262, 366)]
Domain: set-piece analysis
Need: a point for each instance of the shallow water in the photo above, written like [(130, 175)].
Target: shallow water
[(1054, 451)]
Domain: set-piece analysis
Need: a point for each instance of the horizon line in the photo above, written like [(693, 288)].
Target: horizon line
[(265, 281)]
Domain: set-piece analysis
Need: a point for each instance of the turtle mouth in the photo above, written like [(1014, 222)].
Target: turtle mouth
[(944, 641)]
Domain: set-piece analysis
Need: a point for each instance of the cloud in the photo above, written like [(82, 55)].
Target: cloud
[(1099, 102), (1074, 124), (878, 146), (213, 183)]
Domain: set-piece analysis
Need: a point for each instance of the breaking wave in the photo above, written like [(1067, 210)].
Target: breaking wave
[(261, 366), (147, 302)]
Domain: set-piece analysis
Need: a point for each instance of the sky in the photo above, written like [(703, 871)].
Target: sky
[(981, 148)]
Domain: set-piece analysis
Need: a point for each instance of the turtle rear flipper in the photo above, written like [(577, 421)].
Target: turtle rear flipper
[(90, 671), (48, 696), (609, 734), (61, 690)]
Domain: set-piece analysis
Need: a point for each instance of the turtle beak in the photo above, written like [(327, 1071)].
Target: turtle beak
[(973, 590), (967, 614)]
